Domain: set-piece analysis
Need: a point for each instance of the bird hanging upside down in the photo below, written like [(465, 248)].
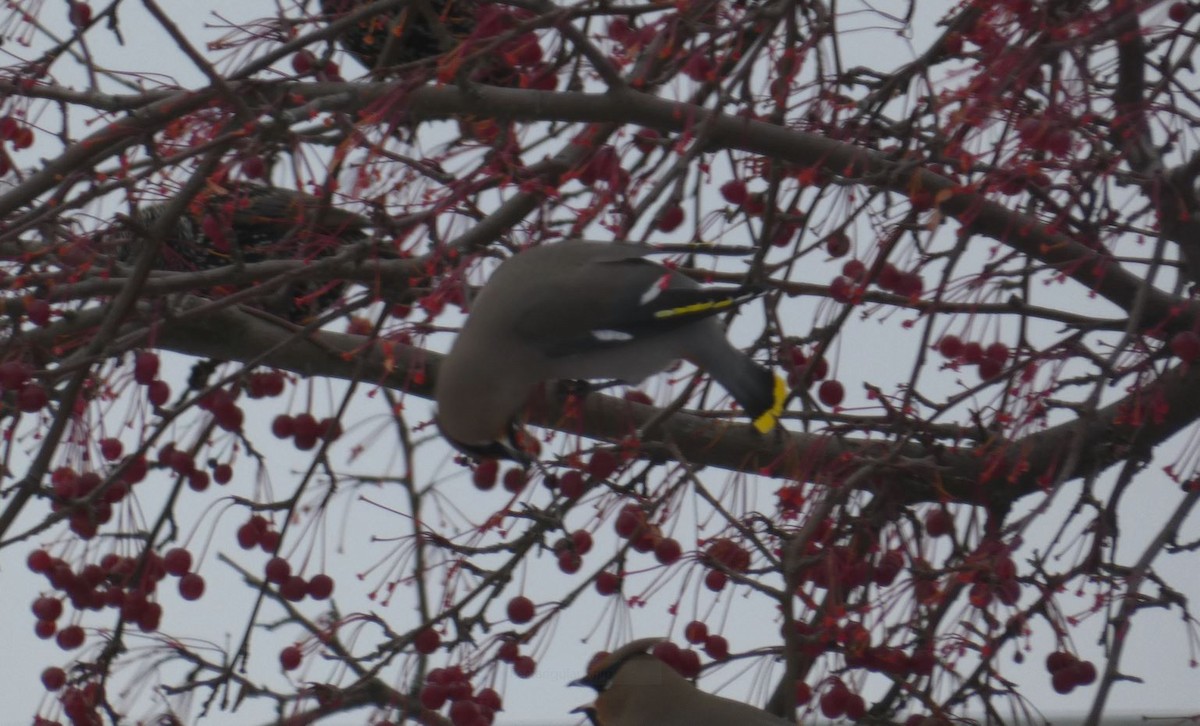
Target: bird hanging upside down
[(586, 310)]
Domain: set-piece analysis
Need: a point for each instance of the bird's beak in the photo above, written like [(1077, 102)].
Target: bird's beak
[(585, 681)]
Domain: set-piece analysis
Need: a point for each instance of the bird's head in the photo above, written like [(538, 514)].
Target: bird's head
[(601, 672)]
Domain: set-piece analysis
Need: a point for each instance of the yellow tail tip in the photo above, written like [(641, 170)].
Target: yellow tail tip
[(769, 418)]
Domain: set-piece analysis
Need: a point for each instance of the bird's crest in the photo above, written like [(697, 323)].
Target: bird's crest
[(612, 661)]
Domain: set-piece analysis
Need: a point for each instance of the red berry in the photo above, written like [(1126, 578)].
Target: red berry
[(515, 480), (177, 561), (669, 218), (996, 351), (668, 551), (197, 480), (855, 270), (602, 464), (39, 561), (303, 62), (856, 707), (54, 678), (837, 244), (938, 523), (158, 393), (490, 699), (294, 589), (728, 553), (283, 426), (520, 609), (630, 521), (524, 667), (1186, 346), (433, 696), (717, 647), (1180, 12), (715, 580), (909, 284), (1059, 660), (990, 368), (150, 617), (289, 658), (607, 583), (1084, 672), (145, 367), (320, 587), (646, 140), (191, 586), (569, 562), (45, 629), (32, 397), (1063, 681), (426, 641), (508, 652), (734, 191), (222, 473), (842, 289), (23, 139), (248, 536), (278, 570), (572, 485), (695, 632), (80, 14), (70, 637), (111, 449), (47, 608), (950, 346), (581, 540), (831, 393)]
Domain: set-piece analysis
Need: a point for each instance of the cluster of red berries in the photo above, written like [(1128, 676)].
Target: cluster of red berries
[(122, 583), (178, 562), (849, 286), (305, 430), (838, 701), (17, 376), (715, 646), (725, 553), (993, 575), (510, 652), (295, 588), (1067, 672), (17, 134), (467, 708), (990, 360), (841, 567), (184, 464), (570, 551), (77, 494), (222, 404), (145, 372), (80, 704)]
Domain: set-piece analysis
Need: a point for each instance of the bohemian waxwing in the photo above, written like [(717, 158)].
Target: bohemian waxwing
[(636, 689), (586, 310)]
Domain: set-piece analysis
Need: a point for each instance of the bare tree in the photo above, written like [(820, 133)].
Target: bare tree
[(980, 257)]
